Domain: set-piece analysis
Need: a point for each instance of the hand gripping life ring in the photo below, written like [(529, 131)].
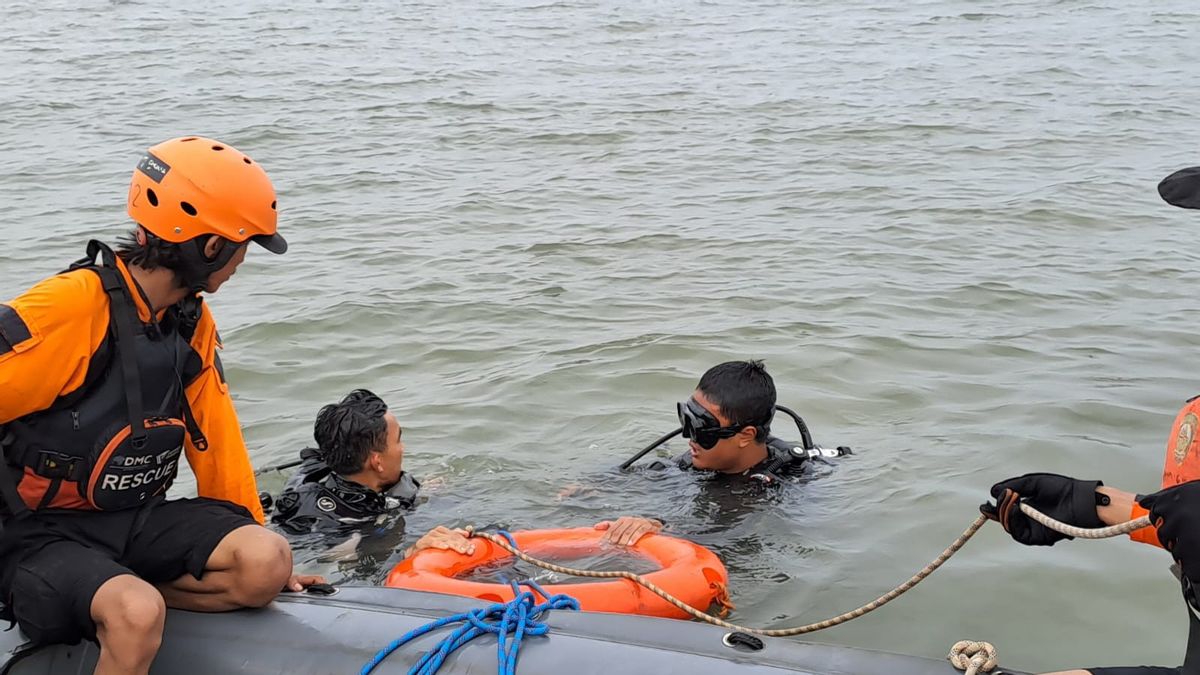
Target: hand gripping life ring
[(687, 571)]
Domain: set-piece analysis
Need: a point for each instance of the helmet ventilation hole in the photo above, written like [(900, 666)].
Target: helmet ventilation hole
[(153, 198), (247, 160), (185, 140), (218, 147), (187, 208), (272, 206)]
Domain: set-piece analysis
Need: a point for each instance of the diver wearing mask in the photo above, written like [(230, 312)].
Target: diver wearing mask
[(727, 422), (354, 476)]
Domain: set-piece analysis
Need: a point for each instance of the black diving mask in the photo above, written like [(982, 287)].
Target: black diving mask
[(701, 426)]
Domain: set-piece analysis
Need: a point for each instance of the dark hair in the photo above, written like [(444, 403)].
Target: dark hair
[(744, 392), (347, 432), (155, 253)]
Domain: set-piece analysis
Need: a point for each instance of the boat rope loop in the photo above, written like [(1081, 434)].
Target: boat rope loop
[(973, 657), (518, 617)]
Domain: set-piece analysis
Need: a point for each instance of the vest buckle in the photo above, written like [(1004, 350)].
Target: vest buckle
[(55, 465)]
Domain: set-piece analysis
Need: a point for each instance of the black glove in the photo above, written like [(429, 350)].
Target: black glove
[(1175, 512), (1065, 499)]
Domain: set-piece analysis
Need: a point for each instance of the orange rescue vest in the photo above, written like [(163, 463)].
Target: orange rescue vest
[(1182, 463)]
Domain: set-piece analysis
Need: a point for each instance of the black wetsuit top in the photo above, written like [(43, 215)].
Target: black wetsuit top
[(784, 461), (316, 498)]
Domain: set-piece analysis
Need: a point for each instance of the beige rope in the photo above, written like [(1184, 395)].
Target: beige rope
[(973, 657), (1082, 533)]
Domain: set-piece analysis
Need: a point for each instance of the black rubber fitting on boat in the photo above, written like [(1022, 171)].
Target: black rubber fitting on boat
[(321, 589), (743, 642)]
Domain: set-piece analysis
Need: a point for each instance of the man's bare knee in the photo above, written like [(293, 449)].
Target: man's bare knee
[(129, 615), (261, 570), (127, 603)]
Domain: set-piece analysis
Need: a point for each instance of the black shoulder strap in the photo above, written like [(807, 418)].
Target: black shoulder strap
[(122, 319), (186, 316), (188, 313), (198, 440)]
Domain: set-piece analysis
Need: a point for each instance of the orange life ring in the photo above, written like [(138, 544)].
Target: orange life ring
[(688, 571)]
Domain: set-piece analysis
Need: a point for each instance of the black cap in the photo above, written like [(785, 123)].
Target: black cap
[(1182, 188)]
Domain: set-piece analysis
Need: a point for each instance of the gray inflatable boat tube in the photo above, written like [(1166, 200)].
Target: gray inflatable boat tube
[(309, 635)]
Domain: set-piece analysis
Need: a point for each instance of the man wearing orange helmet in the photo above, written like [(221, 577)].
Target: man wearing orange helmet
[(109, 373)]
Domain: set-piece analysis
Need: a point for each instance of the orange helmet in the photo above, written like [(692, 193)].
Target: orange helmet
[(190, 187)]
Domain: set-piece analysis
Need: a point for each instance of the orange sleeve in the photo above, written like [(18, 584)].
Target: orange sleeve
[(1146, 535), (54, 328), (223, 471)]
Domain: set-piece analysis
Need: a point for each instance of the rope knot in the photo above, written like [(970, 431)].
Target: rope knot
[(973, 657), (724, 603)]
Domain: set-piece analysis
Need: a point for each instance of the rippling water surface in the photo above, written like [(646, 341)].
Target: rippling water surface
[(531, 225)]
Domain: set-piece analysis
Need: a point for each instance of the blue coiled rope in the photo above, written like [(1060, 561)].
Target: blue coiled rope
[(519, 617)]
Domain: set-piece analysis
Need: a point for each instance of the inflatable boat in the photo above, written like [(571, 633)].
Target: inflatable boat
[(303, 634)]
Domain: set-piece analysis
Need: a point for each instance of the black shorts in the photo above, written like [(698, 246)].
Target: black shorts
[(52, 564)]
